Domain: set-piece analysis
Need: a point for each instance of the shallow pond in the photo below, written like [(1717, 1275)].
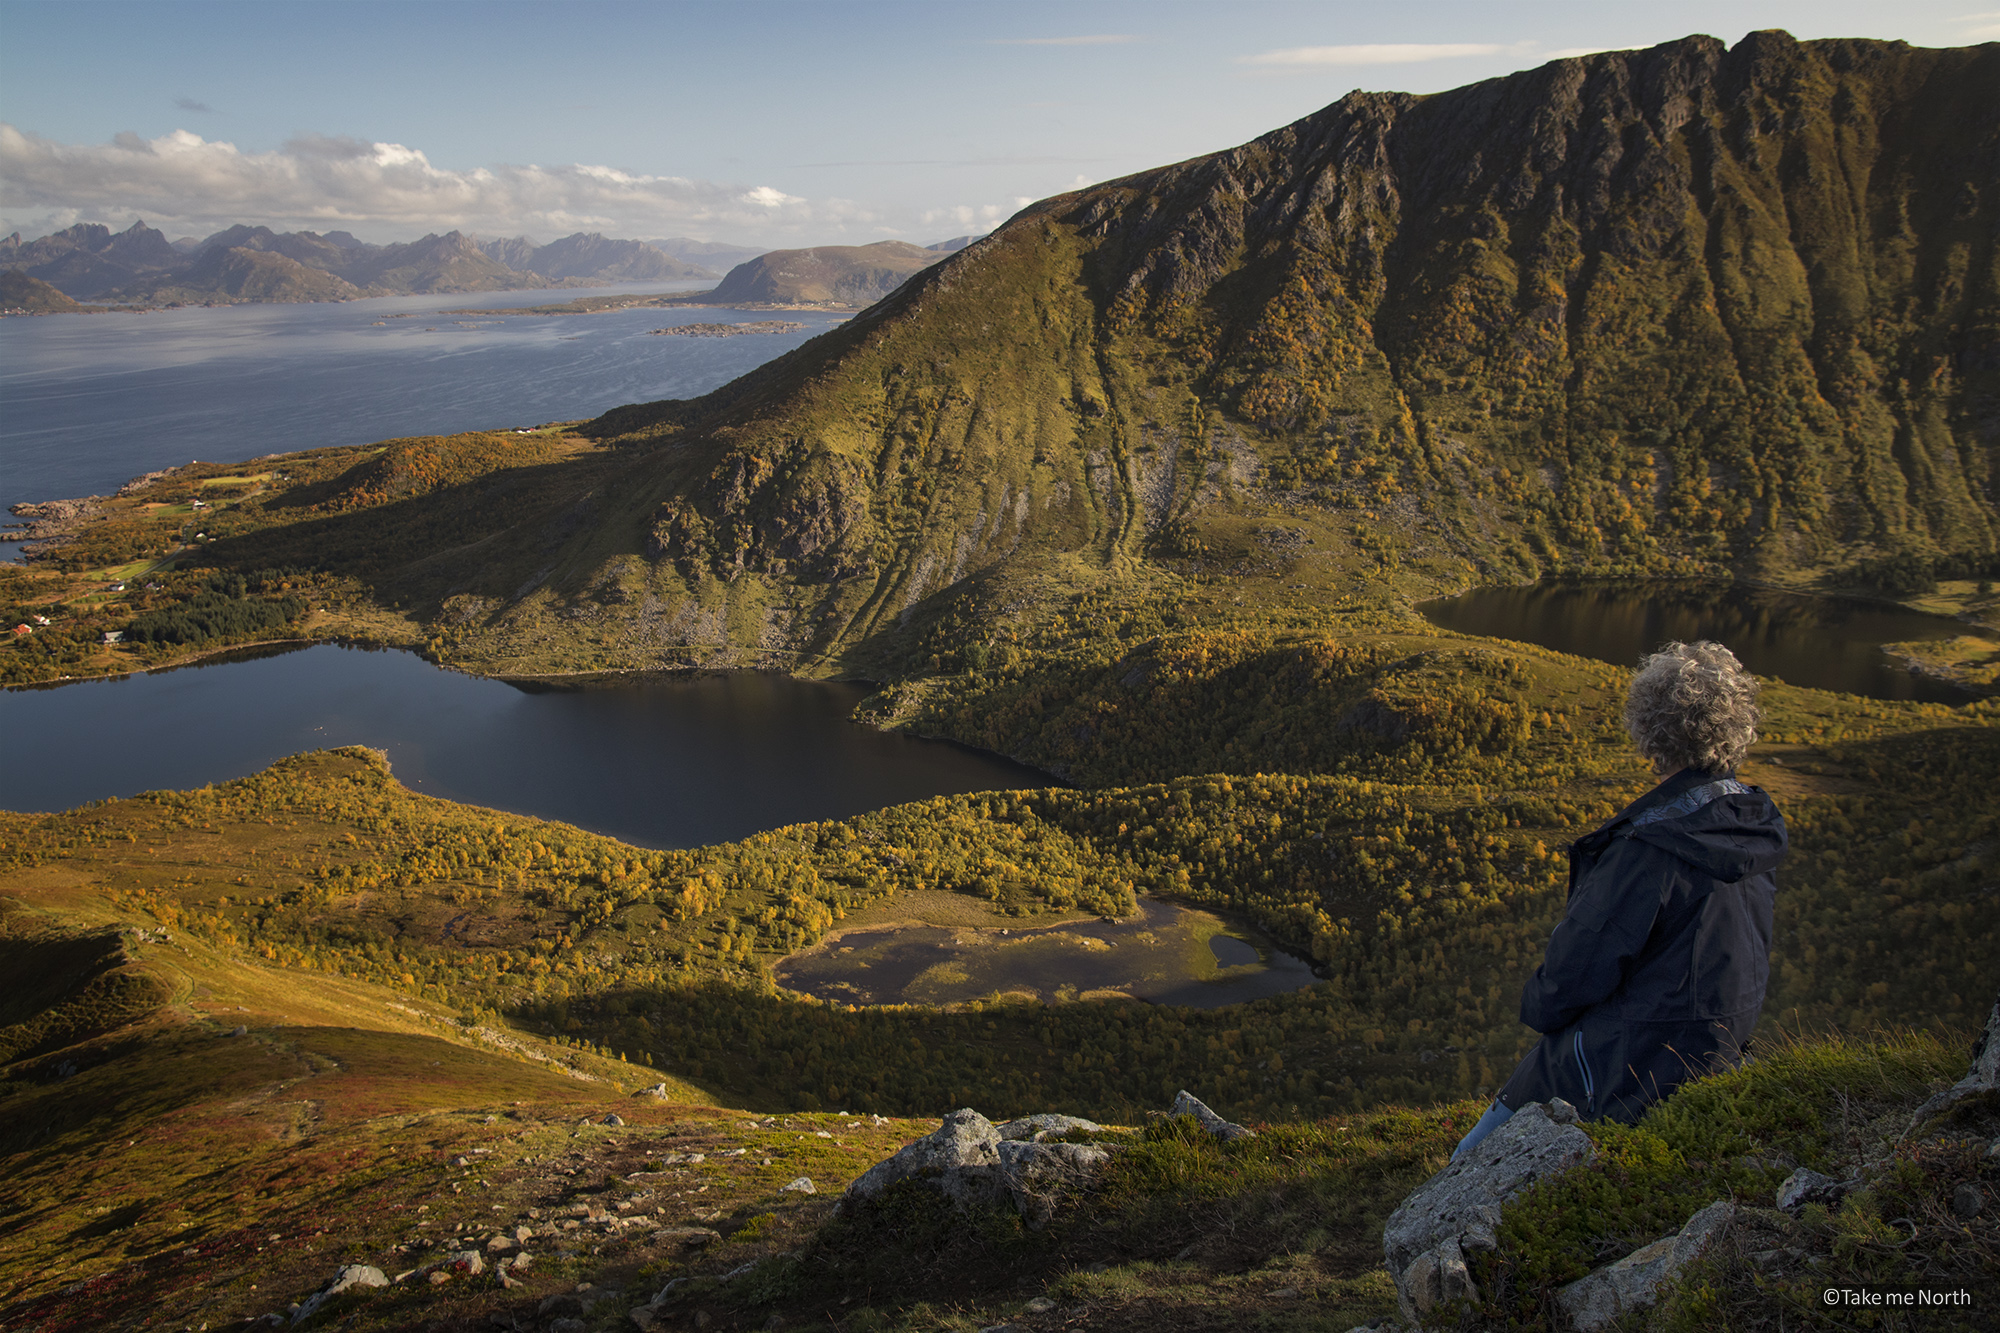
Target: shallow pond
[(1822, 642), (1167, 954), (673, 763)]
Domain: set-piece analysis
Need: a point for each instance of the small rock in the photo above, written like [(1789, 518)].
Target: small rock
[(613, 1119), (357, 1275), (524, 1234), (1803, 1187), (347, 1279), (461, 1161), (566, 1325), (1041, 1127), (800, 1186), (239, 1031), (1539, 1141), (1285, 1294), (997, 1328), (1967, 1202), (463, 1263), (1633, 1283), (499, 1244), (643, 1317), (1039, 1305), (687, 1235), (561, 1303), (1186, 1103)]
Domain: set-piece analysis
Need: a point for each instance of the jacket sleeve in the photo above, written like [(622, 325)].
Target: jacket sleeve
[(1594, 945)]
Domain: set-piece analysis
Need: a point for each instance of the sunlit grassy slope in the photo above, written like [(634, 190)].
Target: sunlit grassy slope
[(262, 1041), (1141, 490)]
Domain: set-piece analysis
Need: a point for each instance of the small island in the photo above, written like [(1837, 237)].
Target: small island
[(730, 330)]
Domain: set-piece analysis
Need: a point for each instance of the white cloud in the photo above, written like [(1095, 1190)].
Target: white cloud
[(182, 182), (1571, 52), (1095, 39), (766, 197), (1984, 26), (983, 217), (1392, 53)]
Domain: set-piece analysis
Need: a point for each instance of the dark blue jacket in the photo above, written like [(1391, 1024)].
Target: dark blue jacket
[(1656, 973)]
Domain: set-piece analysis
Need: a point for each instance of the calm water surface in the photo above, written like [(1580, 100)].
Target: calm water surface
[(1821, 642), (1166, 954), (89, 401), (679, 763)]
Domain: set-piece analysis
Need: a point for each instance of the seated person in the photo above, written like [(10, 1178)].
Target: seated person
[(1656, 972)]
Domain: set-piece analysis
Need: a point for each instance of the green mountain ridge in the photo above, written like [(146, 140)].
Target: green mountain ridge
[(1668, 311)]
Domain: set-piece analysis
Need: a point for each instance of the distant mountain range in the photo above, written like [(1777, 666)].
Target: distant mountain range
[(587, 256), (823, 275), (709, 254), (246, 263)]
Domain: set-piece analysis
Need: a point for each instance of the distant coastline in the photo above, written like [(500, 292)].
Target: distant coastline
[(730, 330)]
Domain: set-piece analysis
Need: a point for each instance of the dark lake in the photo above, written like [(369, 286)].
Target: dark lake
[(1167, 954), (1821, 642), (675, 763)]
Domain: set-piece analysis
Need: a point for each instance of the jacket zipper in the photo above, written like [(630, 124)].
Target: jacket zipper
[(1583, 1067)]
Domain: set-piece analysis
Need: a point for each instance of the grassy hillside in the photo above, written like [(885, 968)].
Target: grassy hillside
[(22, 294), (424, 998), (1141, 490)]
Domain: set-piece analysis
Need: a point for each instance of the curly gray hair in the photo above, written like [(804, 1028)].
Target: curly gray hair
[(1692, 705)]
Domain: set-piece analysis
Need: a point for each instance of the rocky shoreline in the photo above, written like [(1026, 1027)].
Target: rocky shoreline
[(729, 330)]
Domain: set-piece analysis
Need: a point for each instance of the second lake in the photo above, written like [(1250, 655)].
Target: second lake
[(672, 763)]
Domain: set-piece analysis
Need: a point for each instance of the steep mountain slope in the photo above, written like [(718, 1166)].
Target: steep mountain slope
[(826, 274), (1669, 310), (1679, 311)]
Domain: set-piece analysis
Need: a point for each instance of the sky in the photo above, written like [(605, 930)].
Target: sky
[(757, 122)]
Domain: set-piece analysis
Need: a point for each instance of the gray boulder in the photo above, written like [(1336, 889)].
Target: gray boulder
[(1536, 1142), (968, 1161), (1189, 1104), (1457, 1209), (959, 1157), (1634, 1282), (1803, 1187), (347, 1279), (1040, 1127), (1036, 1175)]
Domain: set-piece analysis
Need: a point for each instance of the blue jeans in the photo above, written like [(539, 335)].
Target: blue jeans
[(1496, 1116)]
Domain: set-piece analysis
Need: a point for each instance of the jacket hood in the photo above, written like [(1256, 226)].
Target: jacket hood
[(1722, 827)]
